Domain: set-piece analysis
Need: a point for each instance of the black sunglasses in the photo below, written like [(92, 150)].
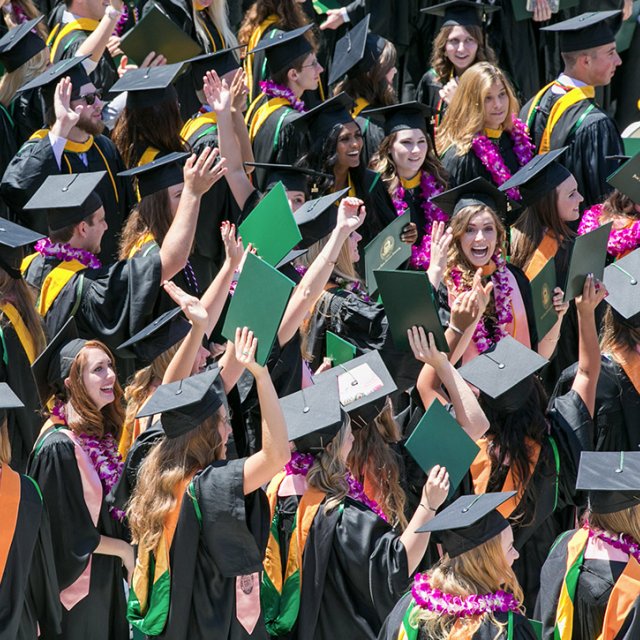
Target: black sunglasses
[(89, 98)]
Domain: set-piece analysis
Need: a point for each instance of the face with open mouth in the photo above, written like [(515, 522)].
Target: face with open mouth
[(496, 106), (98, 377), (461, 49), (349, 146), (478, 242)]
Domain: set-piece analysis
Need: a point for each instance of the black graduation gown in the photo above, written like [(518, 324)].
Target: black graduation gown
[(28, 112), (35, 161), (8, 146), (29, 586), (591, 136), (24, 423), (372, 136), (354, 570), (100, 615), (428, 92), (207, 556), (595, 582), (522, 630)]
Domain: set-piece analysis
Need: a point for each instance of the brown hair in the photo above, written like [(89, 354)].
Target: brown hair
[(282, 77), (626, 521), (619, 204), (5, 444), (11, 81), (289, 12), (31, 12), (617, 335)]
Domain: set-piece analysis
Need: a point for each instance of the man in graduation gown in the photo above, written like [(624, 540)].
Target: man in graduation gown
[(72, 143), (564, 112)]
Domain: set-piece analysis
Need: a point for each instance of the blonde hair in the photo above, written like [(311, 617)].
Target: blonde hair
[(626, 521), (483, 569), (464, 118), (218, 12), (12, 81), (5, 444)]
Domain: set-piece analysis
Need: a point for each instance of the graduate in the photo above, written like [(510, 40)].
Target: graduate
[(564, 113), (28, 581), (71, 143), (591, 575), (22, 341), (476, 568)]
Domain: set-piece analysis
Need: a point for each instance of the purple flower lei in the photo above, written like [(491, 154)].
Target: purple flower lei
[(482, 338), (621, 241), (66, 253), (273, 90), (488, 154), (427, 597), (429, 186), (623, 542)]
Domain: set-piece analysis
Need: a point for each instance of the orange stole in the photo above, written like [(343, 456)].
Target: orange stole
[(623, 595), (629, 360), (9, 507), (545, 251)]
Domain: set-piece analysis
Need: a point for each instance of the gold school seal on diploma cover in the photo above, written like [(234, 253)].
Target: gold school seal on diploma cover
[(387, 247)]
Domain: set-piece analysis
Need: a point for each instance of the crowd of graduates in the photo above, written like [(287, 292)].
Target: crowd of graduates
[(320, 320)]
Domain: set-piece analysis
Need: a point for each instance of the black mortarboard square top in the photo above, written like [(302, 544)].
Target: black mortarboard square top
[(612, 479), (321, 120), (293, 178), (539, 176), (8, 399), (68, 198), (586, 31), (19, 45), (313, 416), (394, 118), (69, 67), (463, 13), (184, 404), (52, 366), (469, 522), (317, 218), (366, 406), (626, 179), (503, 374), (622, 281), (13, 239), (160, 173), (475, 192), (149, 86), (222, 62), (164, 332), (282, 48)]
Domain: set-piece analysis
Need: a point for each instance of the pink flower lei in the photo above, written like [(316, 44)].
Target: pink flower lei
[(622, 541), (490, 157), (427, 597), (621, 241), (483, 338), (429, 186), (300, 464), (273, 90), (66, 253)]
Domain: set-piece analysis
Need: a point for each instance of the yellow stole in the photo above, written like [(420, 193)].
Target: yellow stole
[(58, 35), (191, 126), (412, 183), (9, 507), (140, 242), (256, 36), (21, 330), (263, 112), (359, 106), (546, 250)]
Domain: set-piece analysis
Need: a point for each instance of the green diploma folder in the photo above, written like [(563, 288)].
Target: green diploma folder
[(339, 350), (542, 287), (386, 251), (259, 302), (271, 227), (409, 301), (439, 439)]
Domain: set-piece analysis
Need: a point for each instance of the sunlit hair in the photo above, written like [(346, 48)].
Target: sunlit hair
[(626, 521), (218, 12), (12, 81), (31, 11), (329, 471), (616, 335), (281, 77), (465, 115), (85, 417), (5, 444), (619, 204), (169, 461), (481, 570), (373, 85), (372, 458), (289, 12), (382, 162), (443, 66)]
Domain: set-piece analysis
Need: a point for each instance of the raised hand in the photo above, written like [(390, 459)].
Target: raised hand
[(333, 21), (351, 214), (558, 304), (593, 293), (449, 90), (542, 11), (233, 247), (239, 91), (436, 488), (424, 348), (464, 310), (483, 292), (191, 306), (66, 117), (202, 172), (441, 237), (246, 346), (217, 92)]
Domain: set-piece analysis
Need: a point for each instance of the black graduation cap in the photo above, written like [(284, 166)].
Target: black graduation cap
[(622, 281), (69, 67), (165, 331), (163, 172), (356, 52), (54, 364), (612, 479), (313, 416), (19, 45), (626, 178), (463, 13), (287, 267), (586, 31), (8, 399), (317, 218), (363, 385), (469, 522), (475, 192), (396, 117), (293, 178), (222, 62), (321, 120), (539, 176), (68, 198), (13, 238), (283, 47), (149, 86), (184, 404), (503, 374)]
